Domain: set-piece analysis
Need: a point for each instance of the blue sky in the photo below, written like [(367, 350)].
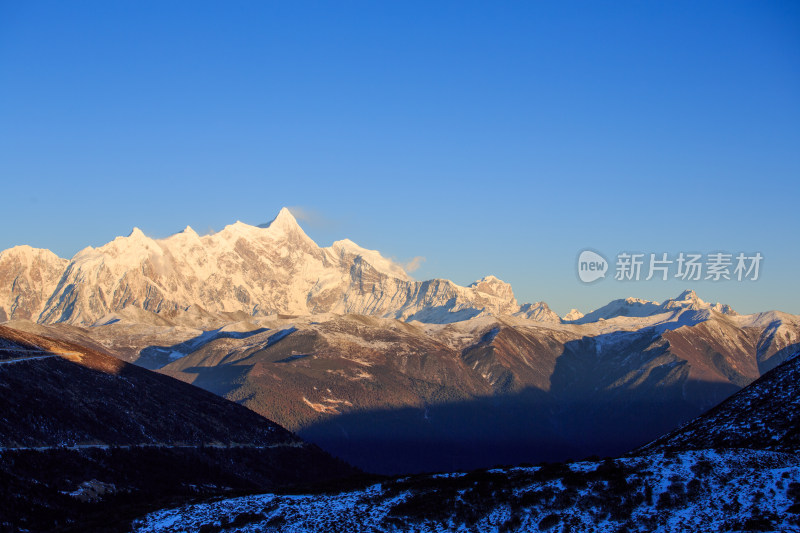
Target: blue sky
[(488, 137)]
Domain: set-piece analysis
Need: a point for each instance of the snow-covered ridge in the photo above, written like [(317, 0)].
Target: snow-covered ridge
[(638, 308), (28, 276), (263, 270), (258, 270), (346, 248)]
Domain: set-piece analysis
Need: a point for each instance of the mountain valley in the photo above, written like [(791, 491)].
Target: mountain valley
[(254, 361)]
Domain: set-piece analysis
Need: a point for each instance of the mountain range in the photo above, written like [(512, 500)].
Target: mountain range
[(307, 352), (247, 269), (273, 268), (393, 396), (91, 442), (340, 345)]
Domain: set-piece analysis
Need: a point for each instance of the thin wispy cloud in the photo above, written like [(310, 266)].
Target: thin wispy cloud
[(312, 218), (414, 264)]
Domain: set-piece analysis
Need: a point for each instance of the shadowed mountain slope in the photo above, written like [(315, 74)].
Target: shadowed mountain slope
[(765, 415), (86, 437), (394, 396), (735, 468)]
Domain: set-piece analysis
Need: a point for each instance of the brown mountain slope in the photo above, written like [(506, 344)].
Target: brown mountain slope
[(381, 392), (76, 421), (396, 397), (765, 415)]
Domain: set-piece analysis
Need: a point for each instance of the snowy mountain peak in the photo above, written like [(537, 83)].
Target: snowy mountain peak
[(28, 276), (494, 286), (347, 244), (346, 248), (280, 227), (261, 270), (187, 237), (284, 220), (631, 301), (21, 250), (638, 308), (122, 248), (25, 251), (688, 294), (136, 233), (258, 270), (627, 307), (283, 225), (688, 299), (538, 311), (237, 228)]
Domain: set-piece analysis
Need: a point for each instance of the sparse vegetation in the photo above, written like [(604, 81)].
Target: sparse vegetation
[(619, 493)]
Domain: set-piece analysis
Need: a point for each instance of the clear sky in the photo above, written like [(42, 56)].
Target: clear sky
[(487, 137)]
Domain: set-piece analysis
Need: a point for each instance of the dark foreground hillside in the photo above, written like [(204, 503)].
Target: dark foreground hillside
[(88, 441), (733, 490), (765, 415), (736, 468)]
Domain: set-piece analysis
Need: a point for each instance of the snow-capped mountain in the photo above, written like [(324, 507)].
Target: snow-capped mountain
[(28, 276), (688, 299), (637, 308), (265, 270), (538, 311), (573, 315), (273, 268)]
